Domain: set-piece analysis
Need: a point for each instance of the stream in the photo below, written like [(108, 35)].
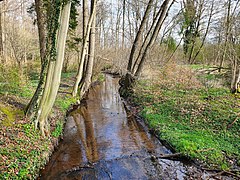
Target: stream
[(101, 142)]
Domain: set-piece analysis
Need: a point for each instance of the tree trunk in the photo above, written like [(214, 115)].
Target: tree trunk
[(227, 25), (235, 84), (123, 23), (83, 53), (1, 37), (138, 36), (89, 69), (54, 72), (44, 60), (41, 28), (205, 34), (161, 19)]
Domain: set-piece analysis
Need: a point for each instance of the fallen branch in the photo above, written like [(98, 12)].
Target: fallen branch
[(222, 172), (167, 156), (230, 125)]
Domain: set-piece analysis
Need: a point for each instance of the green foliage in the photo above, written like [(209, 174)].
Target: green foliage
[(10, 79), (101, 77), (195, 121), (171, 43), (24, 154), (64, 102), (58, 129)]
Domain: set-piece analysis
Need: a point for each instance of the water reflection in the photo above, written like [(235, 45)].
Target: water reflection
[(99, 130)]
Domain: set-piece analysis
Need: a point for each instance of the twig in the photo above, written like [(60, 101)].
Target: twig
[(169, 155), (230, 125), (221, 172)]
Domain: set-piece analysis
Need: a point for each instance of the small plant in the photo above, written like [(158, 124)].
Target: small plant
[(58, 129)]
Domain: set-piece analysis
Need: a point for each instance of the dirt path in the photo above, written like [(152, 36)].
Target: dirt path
[(101, 142)]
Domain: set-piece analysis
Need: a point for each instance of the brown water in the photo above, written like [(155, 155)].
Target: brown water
[(102, 142)]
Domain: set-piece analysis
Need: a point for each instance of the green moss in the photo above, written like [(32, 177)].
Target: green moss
[(101, 77), (10, 116)]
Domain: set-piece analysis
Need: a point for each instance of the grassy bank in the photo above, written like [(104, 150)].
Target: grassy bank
[(22, 150), (198, 121)]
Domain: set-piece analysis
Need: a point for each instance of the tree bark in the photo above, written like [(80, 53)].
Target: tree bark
[(161, 19), (41, 28), (44, 60), (226, 35), (54, 72), (1, 37), (88, 75), (205, 34), (83, 53), (138, 36)]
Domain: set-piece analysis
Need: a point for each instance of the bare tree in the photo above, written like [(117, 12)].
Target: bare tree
[(85, 47)]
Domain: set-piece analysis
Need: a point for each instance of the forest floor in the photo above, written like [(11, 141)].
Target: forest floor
[(188, 108), (191, 110), (23, 151)]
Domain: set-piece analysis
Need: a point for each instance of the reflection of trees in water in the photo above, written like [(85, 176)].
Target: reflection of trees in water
[(86, 133), (137, 134), (90, 135)]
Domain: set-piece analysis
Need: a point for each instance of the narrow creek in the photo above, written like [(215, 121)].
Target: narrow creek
[(101, 142)]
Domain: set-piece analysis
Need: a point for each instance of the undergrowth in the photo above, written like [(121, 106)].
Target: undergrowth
[(22, 149), (201, 123)]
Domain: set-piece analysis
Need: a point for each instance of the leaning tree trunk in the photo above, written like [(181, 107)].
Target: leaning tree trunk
[(83, 53), (127, 81), (89, 69), (165, 8), (54, 71), (138, 36)]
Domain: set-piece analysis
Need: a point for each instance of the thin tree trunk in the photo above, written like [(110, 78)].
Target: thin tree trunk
[(235, 83), (200, 12), (226, 35), (161, 19), (41, 28), (1, 37), (205, 35), (44, 60), (89, 70), (123, 23), (146, 41), (138, 36), (84, 51)]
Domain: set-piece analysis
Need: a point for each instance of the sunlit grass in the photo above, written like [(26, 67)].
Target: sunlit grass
[(194, 120)]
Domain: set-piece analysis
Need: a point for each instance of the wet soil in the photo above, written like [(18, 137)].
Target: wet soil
[(101, 142)]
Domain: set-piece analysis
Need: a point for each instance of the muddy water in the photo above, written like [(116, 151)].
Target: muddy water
[(102, 142)]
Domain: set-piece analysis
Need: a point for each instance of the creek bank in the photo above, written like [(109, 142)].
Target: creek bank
[(23, 152), (197, 122), (101, 141)]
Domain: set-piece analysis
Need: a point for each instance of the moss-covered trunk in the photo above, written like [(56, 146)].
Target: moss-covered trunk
[(54, 71)]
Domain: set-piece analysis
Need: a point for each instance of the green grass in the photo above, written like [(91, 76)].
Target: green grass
[(58, 129), (194, 121), (64, 102)]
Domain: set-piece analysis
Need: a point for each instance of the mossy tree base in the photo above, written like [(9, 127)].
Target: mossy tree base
[(126, 85)]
